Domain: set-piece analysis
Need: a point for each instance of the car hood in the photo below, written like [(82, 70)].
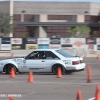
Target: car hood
[(12, 59)]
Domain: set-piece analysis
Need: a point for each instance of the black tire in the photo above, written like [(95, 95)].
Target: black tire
[(21, 72), (68, 71), (55, 69), (8, 67)]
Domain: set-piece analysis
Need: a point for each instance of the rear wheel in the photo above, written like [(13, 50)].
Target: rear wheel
[(21, 72), (55, 69), (68, 71), (7, 68)]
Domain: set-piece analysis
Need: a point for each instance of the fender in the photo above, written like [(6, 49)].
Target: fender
[(59, 62), (10, 62)]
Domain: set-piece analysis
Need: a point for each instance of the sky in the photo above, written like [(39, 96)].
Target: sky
[(59, 0)]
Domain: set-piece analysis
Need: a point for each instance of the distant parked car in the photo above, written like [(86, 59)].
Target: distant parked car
[(44, 60)]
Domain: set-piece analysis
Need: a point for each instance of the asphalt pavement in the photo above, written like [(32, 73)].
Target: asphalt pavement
[(48, 87)]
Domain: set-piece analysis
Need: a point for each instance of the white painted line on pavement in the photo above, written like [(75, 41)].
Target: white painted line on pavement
[(92, 98), (40, 82), (50, 82), (67, 83), (28, 94), (12, 81)]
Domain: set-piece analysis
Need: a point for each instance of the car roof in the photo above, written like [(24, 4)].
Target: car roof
[(46, 49)]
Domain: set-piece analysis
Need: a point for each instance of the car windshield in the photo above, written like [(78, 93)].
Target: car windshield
[(64, 53)]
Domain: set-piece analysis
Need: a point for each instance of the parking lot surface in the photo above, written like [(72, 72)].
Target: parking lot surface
[(49, 87)]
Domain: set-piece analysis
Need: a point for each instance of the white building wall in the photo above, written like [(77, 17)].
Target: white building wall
[(42, 31), (80, 18), (43, 18)]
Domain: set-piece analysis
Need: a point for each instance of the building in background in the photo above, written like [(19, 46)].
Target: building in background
[(47, 19)]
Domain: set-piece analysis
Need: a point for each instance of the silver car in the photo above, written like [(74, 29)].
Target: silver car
[(44, 60)]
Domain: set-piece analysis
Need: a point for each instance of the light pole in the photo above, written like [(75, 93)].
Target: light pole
[(11, 15)]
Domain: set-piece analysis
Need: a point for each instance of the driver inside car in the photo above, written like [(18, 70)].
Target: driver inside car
[(36, 56), (41, 55)]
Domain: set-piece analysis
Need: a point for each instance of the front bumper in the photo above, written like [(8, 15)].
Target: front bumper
[(1, 69)]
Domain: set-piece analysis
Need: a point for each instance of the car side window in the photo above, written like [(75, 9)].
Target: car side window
[(51, 55), (36, 55), (32, 55), (41, 55)]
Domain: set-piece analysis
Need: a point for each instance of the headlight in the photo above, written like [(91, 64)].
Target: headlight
[(1, 64)]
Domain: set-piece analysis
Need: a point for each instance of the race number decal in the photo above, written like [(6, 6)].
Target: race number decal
[(24, 61)]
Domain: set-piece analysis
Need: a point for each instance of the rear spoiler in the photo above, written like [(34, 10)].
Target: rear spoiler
[(78, 56)]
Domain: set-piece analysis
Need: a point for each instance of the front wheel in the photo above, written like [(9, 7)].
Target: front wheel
[(8, 68), (21, 72)]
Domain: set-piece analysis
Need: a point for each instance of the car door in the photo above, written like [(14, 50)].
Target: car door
[(51, 59), (35, 64)]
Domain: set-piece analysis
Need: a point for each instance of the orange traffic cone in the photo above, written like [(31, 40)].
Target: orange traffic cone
[(98, 57), (10, 97), (97, 94), (30, 78), (89, 74), (12, 74), (59, 73), (79, 95)]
